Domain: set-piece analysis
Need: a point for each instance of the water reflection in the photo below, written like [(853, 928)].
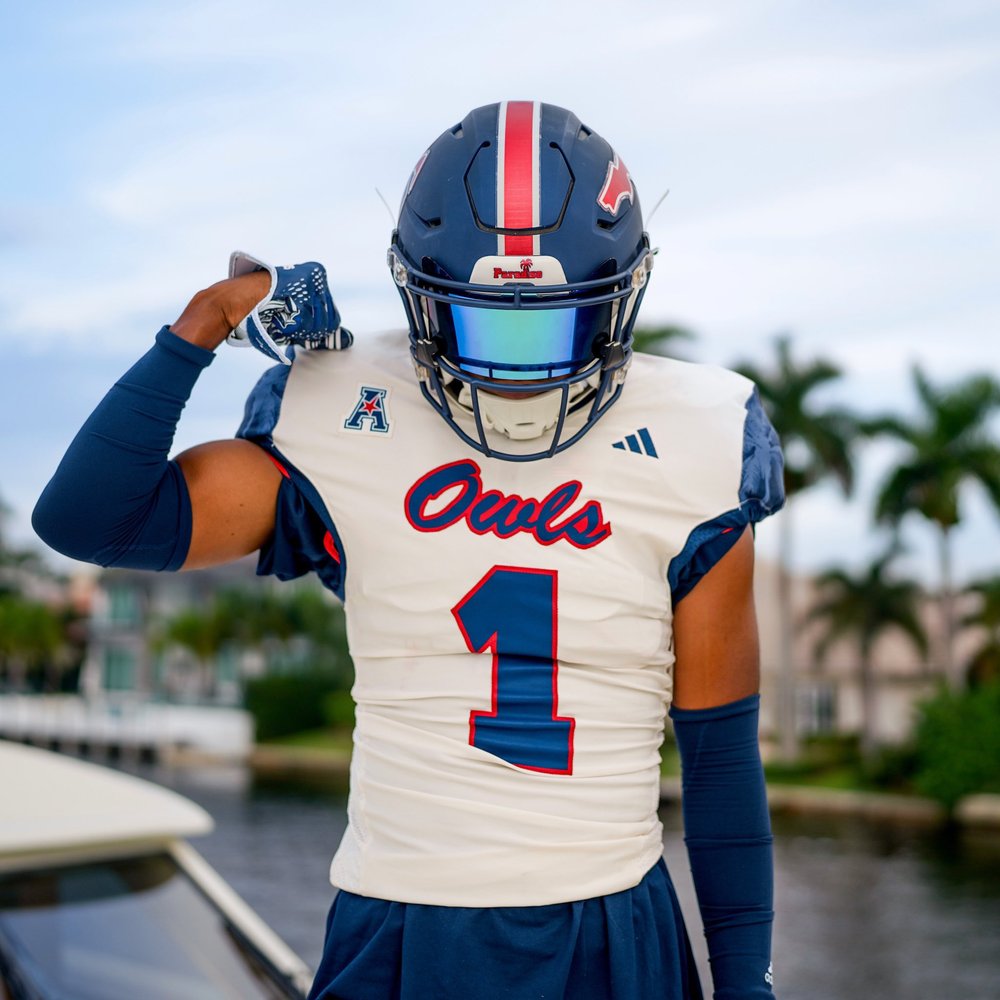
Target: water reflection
[(886, 912), (879, 912)]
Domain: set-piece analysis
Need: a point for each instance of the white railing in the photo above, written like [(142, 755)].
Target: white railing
[(70, 719)]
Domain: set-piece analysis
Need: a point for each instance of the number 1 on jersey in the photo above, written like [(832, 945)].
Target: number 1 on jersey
[(512, 613)]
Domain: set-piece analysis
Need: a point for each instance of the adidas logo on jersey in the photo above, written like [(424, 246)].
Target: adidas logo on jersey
[(640, 443)]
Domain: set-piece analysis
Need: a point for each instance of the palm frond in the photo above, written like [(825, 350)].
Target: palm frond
[(864, 605), (818, 442), (660, 340)]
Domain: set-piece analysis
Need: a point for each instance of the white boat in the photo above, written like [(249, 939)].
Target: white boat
[(102, 898)]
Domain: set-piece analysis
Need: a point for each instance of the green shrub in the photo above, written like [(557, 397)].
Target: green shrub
[(958, 744), (288, 703), (338, 710), (892, 768)]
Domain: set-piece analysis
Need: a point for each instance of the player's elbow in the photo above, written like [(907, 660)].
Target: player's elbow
[(60, 526)]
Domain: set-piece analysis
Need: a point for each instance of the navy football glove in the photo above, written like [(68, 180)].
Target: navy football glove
[(298, 310)]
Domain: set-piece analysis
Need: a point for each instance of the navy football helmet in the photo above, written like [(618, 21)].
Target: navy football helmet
[(521, 260)]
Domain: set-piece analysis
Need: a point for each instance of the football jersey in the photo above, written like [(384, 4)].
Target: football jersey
[(510, 623)]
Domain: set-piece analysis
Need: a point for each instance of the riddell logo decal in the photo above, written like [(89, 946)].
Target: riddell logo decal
[(549, 520), (525, 273)]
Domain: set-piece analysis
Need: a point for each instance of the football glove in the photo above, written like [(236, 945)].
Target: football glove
[(297, 311)]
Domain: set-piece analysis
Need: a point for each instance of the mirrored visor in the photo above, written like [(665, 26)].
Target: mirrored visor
[(521, 344)]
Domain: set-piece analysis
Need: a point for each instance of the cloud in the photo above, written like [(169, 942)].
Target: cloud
[(22, 226), (950, 186), (823, 77), (348, 42)]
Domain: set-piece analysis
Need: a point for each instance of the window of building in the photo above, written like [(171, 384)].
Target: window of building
[(119, 669), (123, 605)]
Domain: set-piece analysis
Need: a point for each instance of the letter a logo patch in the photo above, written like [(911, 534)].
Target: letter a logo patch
[(371, 411)]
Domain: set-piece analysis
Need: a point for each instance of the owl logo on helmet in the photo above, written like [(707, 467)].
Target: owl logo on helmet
[(520, 278)]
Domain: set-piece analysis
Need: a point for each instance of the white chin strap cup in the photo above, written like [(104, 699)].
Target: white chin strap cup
[(519, 418)]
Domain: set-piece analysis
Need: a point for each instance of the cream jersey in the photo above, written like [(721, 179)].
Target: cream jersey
[(510, 623)]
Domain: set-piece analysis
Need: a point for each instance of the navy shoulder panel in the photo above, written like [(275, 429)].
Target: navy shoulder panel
[(762, 492), (762, 481), (264, 404), (304, 541), (305, 538)]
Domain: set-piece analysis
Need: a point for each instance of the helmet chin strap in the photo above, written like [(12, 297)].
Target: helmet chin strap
[(520, 418)]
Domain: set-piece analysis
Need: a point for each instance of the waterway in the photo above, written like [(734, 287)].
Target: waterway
[(863, 911)]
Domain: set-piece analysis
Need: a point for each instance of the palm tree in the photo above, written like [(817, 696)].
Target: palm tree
[(31, 635), (298, 626), (948, 446), (259, 619), (203, 634), (17, 564), (817, 444), (660, 339), (319, 619), (862, 608), (984, 664)]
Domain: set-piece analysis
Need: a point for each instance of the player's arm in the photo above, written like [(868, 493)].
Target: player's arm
[(716, 649), (233, 485), (726, 821), (117, 500)]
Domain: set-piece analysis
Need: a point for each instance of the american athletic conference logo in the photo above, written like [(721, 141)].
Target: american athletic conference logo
[(371, 411)]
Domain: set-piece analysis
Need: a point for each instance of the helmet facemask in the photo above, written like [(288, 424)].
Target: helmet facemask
[(520, 361)]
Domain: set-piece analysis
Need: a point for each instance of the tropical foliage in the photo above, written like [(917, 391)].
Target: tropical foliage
[(817, 443), (984, 664), (817, 440), (282, 704), (299, 630), (947, 447), (31, 637), (860, 608), (662, 340), (39, 642), (958, 744)]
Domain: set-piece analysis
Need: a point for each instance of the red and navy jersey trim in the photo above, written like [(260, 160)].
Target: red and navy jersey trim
[(761, 493), (305, 538)]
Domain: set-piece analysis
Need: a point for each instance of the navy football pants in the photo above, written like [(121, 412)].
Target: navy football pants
[(629, 945)]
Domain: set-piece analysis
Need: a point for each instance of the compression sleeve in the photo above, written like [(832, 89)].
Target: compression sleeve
[(115, 499), (727, 830)]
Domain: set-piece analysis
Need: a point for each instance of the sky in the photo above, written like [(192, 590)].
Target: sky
[(832, 171)]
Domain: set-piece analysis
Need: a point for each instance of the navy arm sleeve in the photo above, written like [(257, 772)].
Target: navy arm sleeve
[(115, 499), (727, 831)]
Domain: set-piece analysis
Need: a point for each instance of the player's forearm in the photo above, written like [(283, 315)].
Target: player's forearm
[(215, 311), (728, 836)]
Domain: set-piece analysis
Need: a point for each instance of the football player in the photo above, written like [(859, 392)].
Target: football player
[(542, 542)]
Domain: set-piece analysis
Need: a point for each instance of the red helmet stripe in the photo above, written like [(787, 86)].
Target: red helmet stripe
[(518, 188)]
